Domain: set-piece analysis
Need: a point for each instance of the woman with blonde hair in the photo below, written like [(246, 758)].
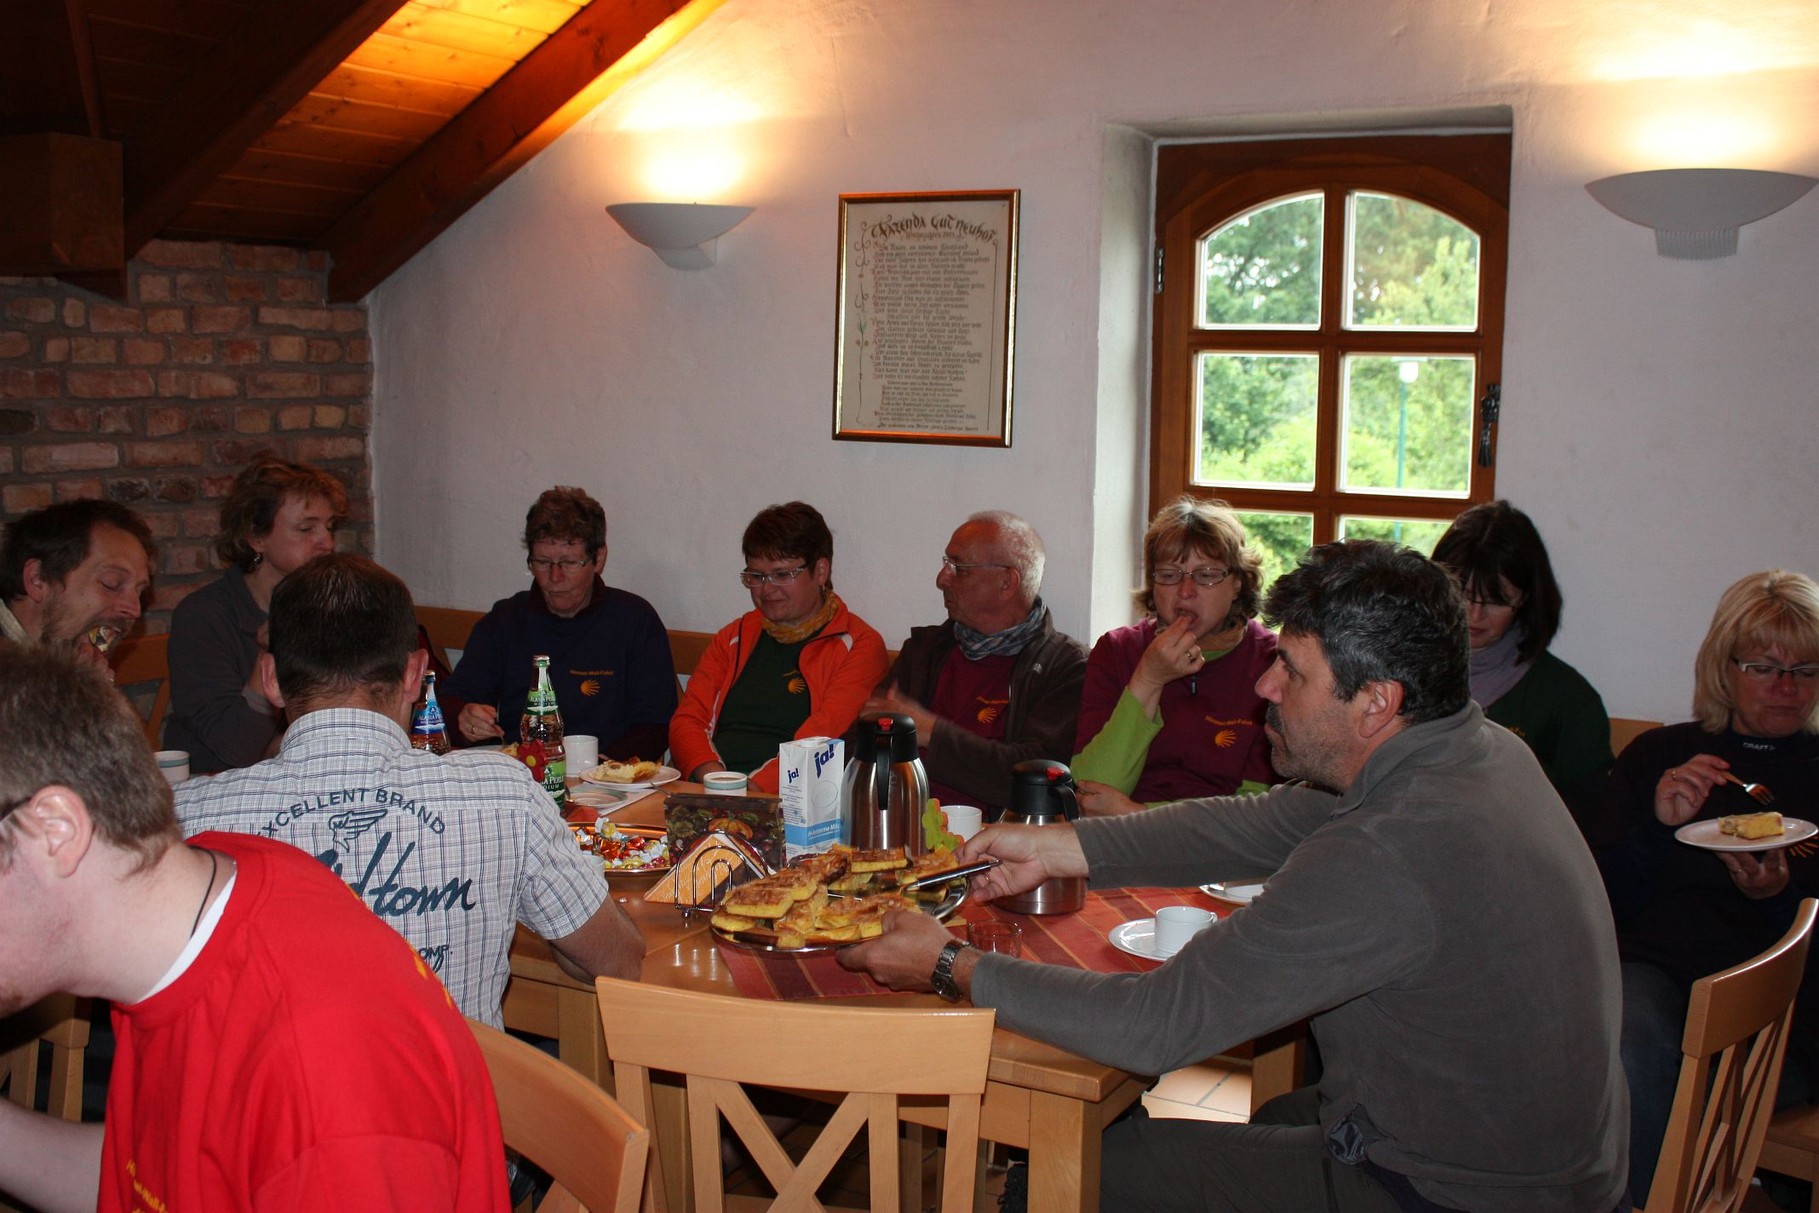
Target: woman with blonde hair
[(278, 516), (1170, 709), (1683, 912)]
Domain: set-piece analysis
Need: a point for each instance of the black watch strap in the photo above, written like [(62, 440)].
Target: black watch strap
[(943, 977)]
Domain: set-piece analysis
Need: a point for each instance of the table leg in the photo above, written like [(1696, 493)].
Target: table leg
[(1064, 1155), (1277, 1064)]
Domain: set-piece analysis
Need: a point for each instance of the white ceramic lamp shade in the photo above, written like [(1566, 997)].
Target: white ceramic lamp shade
[(682, 233), (1696, 211)]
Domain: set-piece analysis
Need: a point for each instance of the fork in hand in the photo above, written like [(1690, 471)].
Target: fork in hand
[(1754, 791)]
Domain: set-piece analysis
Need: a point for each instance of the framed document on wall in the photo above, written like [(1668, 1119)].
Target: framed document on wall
[(927, 320)]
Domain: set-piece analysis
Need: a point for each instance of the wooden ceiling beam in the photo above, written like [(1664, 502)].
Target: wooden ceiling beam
[(556, 85), (263, 69)]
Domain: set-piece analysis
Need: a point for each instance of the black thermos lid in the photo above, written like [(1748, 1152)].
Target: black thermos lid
[(888, 734)]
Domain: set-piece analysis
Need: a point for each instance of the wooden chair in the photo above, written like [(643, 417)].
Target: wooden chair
[(565, 1124), (1625, 730), (1791, 1146), (448, 628), (144, 659), (62, 1022), (1736, 1033), (871, 1055)]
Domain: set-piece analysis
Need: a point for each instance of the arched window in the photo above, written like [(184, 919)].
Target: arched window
[(1328, 333)]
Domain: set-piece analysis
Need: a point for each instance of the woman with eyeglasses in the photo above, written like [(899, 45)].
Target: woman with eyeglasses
[(609, 652), (1683, 912), (1170, 709), (798, 664), (1513, 609), (276, 517)]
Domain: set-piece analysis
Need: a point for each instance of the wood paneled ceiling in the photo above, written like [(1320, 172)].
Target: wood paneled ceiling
[(358, 127)]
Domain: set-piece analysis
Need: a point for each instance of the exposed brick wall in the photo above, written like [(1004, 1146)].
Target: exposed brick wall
[(220, 351)]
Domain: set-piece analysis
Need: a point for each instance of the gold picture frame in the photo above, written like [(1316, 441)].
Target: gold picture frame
[(926, 320)]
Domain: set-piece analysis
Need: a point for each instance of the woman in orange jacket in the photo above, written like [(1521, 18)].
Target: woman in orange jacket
[(799, 664)]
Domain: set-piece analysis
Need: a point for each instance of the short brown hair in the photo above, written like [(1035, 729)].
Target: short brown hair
[(1772, 609), (1189, 524), (340, 623), (792, 530), (566, 514), (251, 506), (62, 723)]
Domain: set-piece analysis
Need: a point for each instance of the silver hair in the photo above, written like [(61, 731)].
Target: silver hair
[(1023, 548)]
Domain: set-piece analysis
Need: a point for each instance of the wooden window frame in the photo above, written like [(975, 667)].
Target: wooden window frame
[(1199, 186)]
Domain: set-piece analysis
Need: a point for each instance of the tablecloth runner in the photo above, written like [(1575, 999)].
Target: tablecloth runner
[(1076, 940)]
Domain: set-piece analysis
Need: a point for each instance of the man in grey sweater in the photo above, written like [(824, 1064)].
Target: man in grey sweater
[(1431, 909)]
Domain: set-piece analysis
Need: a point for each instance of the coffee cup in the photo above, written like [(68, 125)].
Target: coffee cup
[(963, 820), (1175, 925), (173, 765), (582, 753), (724, 783)]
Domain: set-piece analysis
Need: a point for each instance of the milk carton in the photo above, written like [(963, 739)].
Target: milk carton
[(809, 775)]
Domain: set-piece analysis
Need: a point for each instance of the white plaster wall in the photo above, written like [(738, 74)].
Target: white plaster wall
[(1658, 419)]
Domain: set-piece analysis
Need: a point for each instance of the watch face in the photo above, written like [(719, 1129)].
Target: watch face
[(943, 977)]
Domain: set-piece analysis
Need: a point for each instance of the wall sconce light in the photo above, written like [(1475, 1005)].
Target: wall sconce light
[(681, 233), (1696, 211)]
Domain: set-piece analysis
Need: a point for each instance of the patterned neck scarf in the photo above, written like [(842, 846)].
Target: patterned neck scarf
[(1008, 643), (796, 633)]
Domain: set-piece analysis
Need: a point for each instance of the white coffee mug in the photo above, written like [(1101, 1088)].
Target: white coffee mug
[(963, 820), (725, 783), (173, 765), (582, 754), (1175, 925)]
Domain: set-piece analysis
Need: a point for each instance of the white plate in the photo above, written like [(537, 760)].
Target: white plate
[(664, 775), (1234, 891), (1138, 937), (1706, 835), (605, 800)]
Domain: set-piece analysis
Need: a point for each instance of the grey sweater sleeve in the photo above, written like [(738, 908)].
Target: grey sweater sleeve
[(1338, 920)]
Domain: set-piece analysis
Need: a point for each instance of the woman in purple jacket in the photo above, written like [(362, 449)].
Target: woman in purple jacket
[(1170, 709)]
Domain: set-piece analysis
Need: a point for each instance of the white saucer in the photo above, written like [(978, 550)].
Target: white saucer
[(1707, 835), (1241, 893), (1138, 937)]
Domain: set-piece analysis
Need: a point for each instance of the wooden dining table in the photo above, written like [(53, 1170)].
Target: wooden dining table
[(1041, 1098)]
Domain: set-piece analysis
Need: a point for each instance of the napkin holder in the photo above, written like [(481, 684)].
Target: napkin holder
[(710, 869)]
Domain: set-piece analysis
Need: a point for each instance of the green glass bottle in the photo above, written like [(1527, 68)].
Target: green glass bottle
[(540, 736)]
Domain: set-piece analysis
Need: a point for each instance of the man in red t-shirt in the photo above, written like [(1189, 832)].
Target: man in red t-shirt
[(277, 1046), (996, 684)]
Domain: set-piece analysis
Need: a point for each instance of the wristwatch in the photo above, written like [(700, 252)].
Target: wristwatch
[(943, 977)]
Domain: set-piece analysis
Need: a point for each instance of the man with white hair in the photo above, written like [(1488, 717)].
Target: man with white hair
[(996, 684)]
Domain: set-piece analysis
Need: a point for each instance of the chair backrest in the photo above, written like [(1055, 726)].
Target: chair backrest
[(1736, 1033), (1625, 730), (144, 659), (447, 628), (873, 1055), (565, 1124), (61, 1021)]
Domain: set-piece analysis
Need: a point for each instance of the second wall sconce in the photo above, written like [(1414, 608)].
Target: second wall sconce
[(1696, 211), (683, 234)]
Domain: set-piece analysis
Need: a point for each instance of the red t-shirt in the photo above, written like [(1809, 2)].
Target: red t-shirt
[(306, 1060), (972, 695)]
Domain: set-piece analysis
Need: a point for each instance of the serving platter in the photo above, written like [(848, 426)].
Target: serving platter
[(763, 939)]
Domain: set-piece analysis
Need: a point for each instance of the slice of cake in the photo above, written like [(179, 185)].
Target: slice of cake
[(1751, 825)]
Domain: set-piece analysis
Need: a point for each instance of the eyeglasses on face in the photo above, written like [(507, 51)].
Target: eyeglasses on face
[(1206, 576), (1767, 672), (567, 567), (959, 567), (751, 579)]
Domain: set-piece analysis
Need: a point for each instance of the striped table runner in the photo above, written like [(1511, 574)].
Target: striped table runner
[(1076, 940)]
